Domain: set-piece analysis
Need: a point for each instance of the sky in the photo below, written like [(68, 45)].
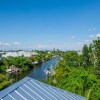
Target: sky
[(48, 24)]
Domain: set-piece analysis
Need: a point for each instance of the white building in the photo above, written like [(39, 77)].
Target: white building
[(19, 53)]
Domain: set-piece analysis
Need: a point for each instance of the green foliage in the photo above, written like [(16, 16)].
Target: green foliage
[(4, 82), (77, 73), (71, 58), (86, 57), (76, 80), (24, 64), (96, 51), (19, 62), (45, 55)]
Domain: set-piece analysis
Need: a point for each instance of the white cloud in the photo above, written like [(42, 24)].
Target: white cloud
[(91, 29), (44, 46), (4, 44), (79, 43), (88, 40), (84, 42), (66, 46), (0, 43), (16, 43), (91, 36), (98, 35), (9, 44), (94, 29), (73, 37)]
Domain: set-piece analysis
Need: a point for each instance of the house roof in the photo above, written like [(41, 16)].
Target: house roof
[(31, 89)]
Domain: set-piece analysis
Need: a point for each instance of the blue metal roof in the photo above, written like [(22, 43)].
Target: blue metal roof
[(31, 89)]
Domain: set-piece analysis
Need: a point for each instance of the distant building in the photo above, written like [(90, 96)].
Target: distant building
[(18, 54)]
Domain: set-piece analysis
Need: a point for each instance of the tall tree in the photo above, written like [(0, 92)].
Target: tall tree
[(85, 53), (96, 48), (91, 53)]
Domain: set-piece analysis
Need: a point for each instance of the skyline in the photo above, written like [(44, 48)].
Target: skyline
[(59, 24)]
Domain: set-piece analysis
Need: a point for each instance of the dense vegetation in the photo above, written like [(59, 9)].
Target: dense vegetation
[(45, 55), (79, 74), (23, 64), (4, 81)]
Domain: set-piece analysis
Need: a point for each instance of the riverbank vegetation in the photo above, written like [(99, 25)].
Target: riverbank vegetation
[(5, 81), (46, 55), (79, 73), (14, 66)]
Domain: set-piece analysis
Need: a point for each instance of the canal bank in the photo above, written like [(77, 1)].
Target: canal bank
[(38, 71)]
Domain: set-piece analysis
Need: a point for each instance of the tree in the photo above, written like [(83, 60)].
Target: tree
[(86, 58), (79, 80), (96, 52), (91, 54), (71, 58)]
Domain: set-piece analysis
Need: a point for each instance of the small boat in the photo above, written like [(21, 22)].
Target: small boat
[(47, 71), (36, 62)]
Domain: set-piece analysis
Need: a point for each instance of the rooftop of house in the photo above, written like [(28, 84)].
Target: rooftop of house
[(31, 89)]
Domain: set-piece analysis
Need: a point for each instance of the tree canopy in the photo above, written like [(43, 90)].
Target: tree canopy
[(79, 73)]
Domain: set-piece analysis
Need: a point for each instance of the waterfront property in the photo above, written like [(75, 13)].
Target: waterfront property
[(12, 69), (31, 89)]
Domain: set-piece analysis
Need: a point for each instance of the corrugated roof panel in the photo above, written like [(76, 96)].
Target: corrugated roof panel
[(22, 92), (9, 97), (30, 89)]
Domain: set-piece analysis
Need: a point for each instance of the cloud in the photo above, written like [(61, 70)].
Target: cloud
[(73, 37), (91, 36), (16, 43), (5, 44), (79, 43), (91, 29), (94, 29), (64, 46), (9, 44), (0, 44), (98, 35), (84, 42), (41, 46), (88, 41), (46, 46)]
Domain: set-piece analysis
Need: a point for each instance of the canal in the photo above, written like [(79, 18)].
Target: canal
[(38, 71)]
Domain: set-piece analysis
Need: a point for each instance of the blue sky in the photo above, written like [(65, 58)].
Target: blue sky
[(48, 24)]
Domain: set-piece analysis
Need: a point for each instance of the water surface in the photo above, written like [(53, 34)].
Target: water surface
[(38, 71)]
